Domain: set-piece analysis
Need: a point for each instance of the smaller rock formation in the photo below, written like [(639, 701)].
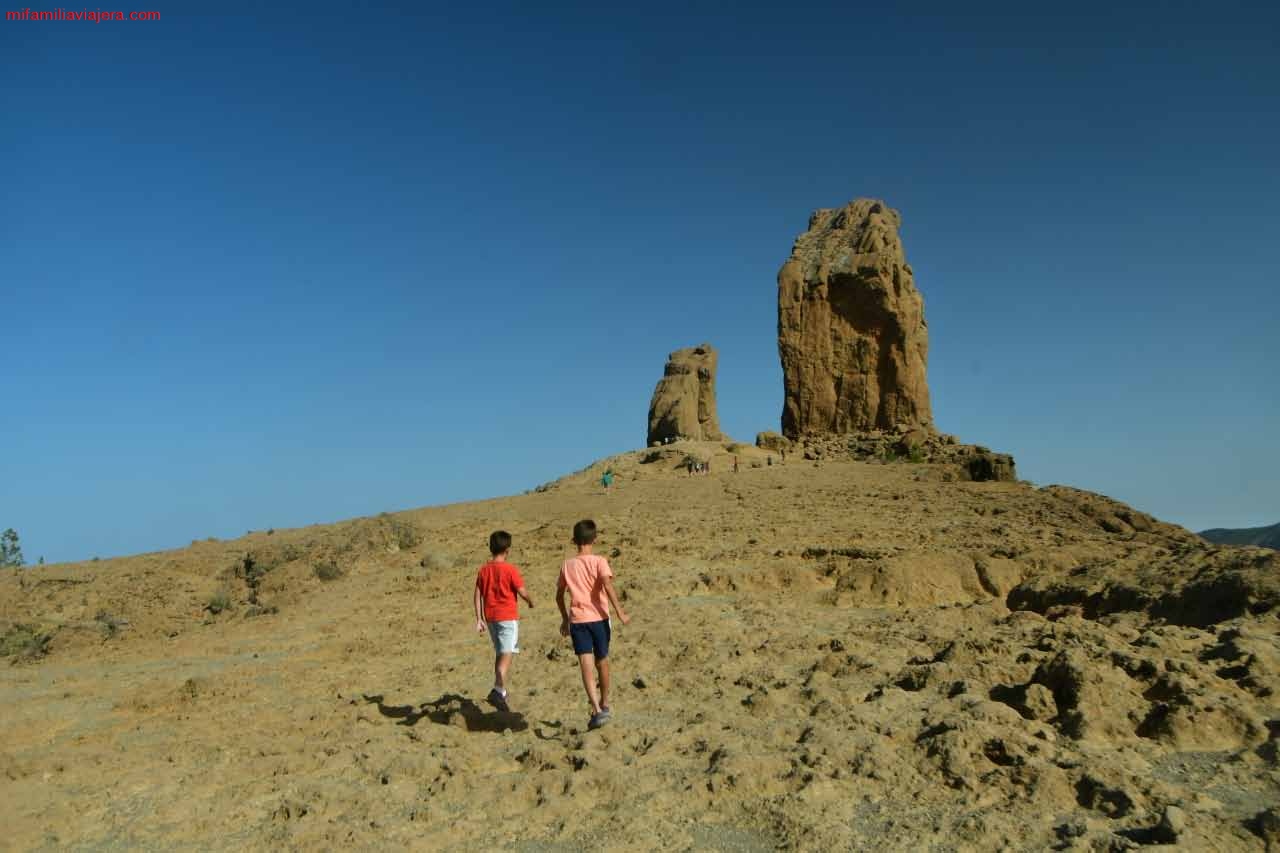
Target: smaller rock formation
[(772, 441), (684, 402)]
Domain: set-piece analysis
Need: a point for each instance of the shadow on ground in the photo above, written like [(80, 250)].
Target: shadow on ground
[(451, 709)]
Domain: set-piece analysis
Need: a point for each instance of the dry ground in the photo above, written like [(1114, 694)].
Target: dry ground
[(821, 655)]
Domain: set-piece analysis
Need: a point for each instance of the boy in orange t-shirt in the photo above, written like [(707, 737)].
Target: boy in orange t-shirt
[(589, 581), (497, 585)]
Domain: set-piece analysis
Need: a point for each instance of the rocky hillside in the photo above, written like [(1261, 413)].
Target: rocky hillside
[(1263, 537), (829, 653)]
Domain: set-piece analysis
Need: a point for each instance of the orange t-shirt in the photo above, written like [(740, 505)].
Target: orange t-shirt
[(584, 577), (498, 583)]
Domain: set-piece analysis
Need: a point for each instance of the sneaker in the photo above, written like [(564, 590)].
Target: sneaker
[(499, 701), (598, 720)]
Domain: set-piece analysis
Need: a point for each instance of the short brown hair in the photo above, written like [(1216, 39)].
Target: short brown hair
[(584, 532), (499, 541)]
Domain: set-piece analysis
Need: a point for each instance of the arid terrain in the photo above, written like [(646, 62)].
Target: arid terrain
[(831, 654)]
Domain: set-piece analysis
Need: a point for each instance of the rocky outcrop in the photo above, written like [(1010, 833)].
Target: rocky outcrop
[(684, 402), (959, 461), (851, 328), (772, 441)]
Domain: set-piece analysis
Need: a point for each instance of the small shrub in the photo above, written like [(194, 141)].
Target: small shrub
[(328, 571), (218, 602), (889, 455), (110, 624), (24, 643), (436, 561), (405, 534), (915, 454)]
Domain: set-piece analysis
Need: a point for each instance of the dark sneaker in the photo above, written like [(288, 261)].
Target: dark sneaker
[(598, 720), (498, 701)]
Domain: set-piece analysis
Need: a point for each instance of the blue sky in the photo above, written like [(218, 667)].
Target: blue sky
[(272, 268)]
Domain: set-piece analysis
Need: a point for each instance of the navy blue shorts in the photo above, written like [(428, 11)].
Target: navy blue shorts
[(591, 638)]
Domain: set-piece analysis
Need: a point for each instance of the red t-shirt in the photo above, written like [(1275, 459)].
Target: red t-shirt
[(498, 583)]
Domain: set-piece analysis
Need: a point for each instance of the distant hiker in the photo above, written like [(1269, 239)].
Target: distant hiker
[(497, 585), (607, 479), (689, 463), (783, 451), (769, 461), (735, 464), (589, 581)]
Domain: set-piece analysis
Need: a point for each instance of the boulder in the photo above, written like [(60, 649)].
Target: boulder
[(851, 327), (684, 401), (984, 465), (772, 441)]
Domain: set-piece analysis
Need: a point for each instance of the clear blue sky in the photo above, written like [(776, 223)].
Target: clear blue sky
[(310, 261)]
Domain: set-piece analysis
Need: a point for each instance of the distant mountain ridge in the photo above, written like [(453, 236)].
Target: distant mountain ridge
[(1267, 537)]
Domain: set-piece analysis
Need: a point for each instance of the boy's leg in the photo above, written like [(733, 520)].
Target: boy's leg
[(602, 665), (504, 636), (601, 634), (501, 666), (587, 662)]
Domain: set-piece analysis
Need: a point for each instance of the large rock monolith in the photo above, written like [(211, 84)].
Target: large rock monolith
[(684, 402), (851, 328)]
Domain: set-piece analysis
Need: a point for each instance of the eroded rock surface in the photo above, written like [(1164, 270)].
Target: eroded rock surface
[(851, 327), (684, 401)]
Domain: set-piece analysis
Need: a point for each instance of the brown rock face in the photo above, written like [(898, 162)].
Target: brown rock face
[(851, 329), (684, 402)]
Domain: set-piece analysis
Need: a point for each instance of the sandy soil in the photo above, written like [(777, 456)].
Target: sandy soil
[(821, 655)]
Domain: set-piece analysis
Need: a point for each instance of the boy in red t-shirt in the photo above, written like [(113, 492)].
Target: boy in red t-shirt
[(497, 585)]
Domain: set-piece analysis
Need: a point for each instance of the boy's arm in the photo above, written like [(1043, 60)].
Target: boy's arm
[(564, 612), (517, 585), (478, 601), (613, 599)]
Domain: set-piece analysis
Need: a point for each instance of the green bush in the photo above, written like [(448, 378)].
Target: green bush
[(328, 571), (218, 602), (24, 642), (915, 455)]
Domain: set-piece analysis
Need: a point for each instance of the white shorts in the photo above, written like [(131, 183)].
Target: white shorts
[(505, 636)]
